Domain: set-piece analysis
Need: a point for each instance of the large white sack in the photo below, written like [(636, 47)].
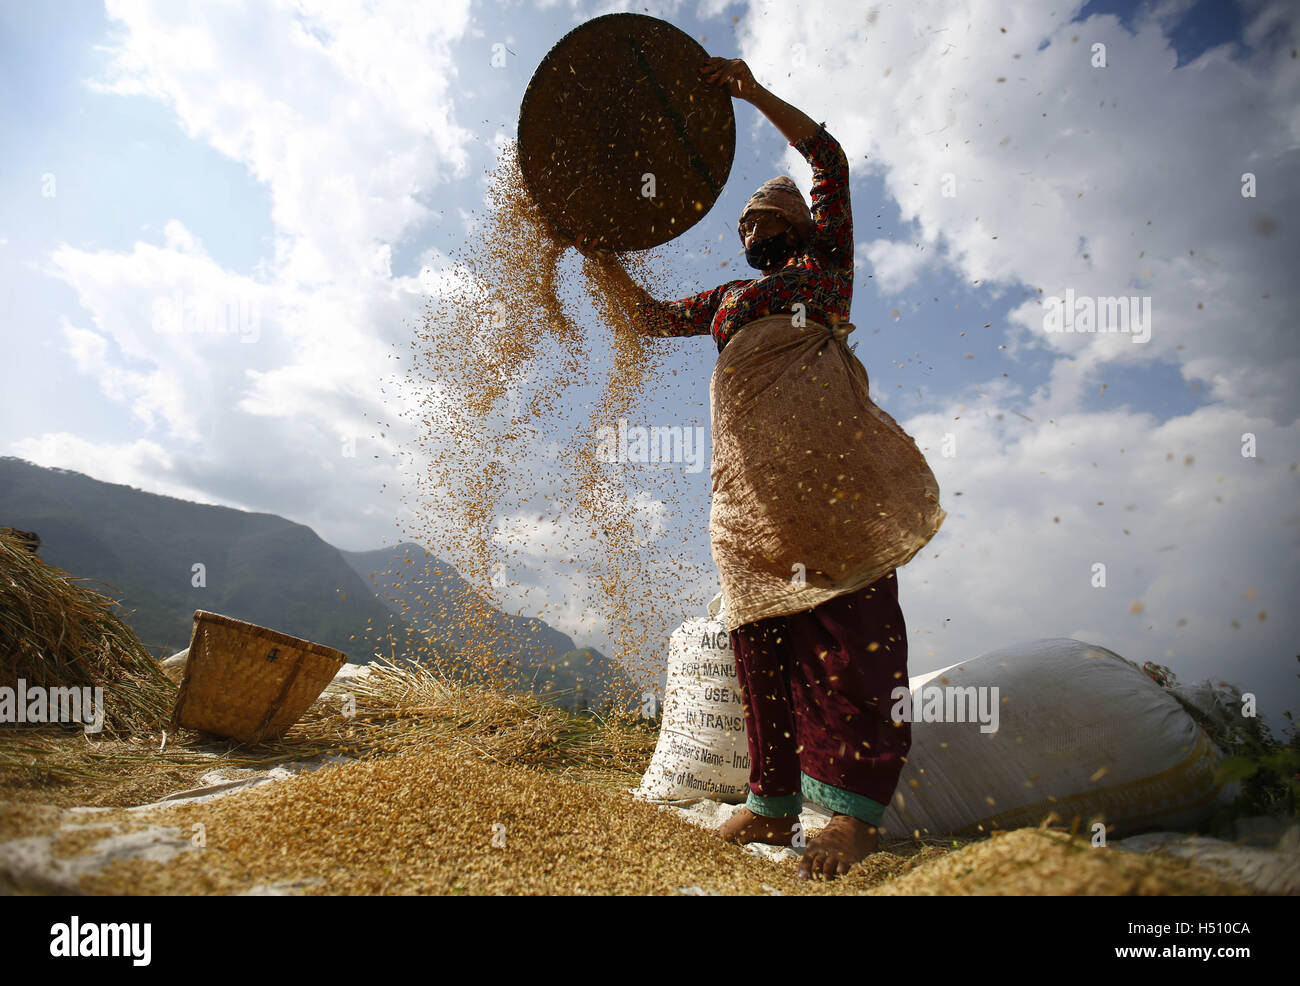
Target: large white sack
[(1081, 732), (702, 751)]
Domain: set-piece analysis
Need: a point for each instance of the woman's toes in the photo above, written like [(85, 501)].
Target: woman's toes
[(808, 865)]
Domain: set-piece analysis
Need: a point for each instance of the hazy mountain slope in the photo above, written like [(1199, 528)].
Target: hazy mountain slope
[(258, 567)]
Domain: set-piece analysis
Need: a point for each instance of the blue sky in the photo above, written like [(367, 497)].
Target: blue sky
[(319, 160)]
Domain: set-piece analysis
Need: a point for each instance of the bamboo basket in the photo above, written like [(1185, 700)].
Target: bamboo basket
[(247, 682)]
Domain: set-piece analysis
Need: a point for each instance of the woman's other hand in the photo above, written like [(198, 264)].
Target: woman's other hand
[(734, 74), (593, 247), (633, 295)]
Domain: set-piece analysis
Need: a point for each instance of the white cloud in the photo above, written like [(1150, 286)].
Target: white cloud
[(1187, 527), (894, 265), (1099, 179), (343, 111), (168, 321), (345, 114), (109, 463)]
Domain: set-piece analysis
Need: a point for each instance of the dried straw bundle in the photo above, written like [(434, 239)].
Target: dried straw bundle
[(58, 633)]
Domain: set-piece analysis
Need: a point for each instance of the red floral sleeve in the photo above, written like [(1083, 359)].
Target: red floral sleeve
[(831, 212), (690, 316)]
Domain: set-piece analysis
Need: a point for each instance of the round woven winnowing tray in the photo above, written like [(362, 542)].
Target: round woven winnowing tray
[(619, 99)]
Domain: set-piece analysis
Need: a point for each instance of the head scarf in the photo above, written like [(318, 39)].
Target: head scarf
[(782, 196)]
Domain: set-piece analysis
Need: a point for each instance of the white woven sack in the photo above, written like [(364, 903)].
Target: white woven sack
[(702, 751)]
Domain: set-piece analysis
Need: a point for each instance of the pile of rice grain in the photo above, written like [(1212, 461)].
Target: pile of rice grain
[(425, 822), (1032, 862)]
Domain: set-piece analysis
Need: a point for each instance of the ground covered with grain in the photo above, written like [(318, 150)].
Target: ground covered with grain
[(429, 786), (437, 822), (441, 821)]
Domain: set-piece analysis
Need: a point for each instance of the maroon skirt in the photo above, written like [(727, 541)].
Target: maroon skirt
[(816, 687)]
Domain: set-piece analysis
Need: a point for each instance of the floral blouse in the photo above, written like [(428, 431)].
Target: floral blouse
[(820, 274)]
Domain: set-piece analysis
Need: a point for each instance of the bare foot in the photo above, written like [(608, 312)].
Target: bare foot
[(832, 852), (744, 826)]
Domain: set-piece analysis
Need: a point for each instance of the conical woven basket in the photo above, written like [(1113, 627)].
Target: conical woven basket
[(249, 683)]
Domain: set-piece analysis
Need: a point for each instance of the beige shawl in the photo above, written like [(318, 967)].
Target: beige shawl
[(816, 491)]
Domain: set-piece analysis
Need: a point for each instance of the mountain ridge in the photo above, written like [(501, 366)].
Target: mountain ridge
[(150, 549)]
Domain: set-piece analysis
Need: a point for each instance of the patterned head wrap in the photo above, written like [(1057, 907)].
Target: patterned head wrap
[(782, 196)]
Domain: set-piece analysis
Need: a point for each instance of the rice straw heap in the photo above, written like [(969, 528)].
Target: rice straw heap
[(56, 632)]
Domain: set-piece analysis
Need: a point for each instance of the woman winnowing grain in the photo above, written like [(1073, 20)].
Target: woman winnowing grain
[(817, 655)]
